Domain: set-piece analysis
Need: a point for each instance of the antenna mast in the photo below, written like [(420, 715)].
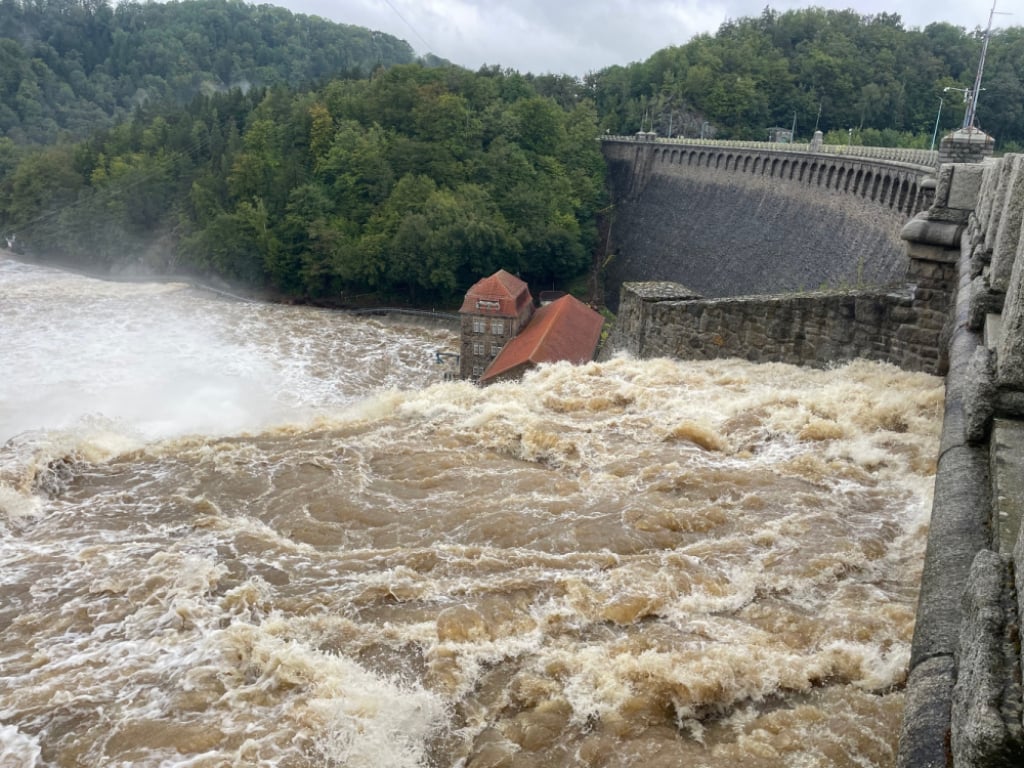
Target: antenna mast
[(973, 105)]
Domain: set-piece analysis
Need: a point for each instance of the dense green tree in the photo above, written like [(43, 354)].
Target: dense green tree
[(834, 70), (74, 65), (323, 195)]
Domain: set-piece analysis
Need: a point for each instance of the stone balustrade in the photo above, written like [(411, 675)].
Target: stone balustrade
[(921, 158)]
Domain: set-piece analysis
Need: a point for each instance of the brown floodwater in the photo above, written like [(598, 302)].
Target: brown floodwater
[(235, 534)]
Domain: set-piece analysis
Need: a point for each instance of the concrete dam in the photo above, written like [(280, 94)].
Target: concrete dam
[(919, 266), (748, 218)]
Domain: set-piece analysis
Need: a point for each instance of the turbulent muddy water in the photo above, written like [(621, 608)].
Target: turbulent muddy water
[(234, 534)]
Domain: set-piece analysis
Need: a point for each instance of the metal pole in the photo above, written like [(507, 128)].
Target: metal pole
[(936, 131), (973, 106)]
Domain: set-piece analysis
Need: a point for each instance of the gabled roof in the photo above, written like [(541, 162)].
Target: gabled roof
[(502, 294), (565, 329)]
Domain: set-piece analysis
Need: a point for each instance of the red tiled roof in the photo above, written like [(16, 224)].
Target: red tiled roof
[(505, 291), (566, 329)]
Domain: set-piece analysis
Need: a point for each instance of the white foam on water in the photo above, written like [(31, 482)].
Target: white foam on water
[(189, 363), (18, 750)]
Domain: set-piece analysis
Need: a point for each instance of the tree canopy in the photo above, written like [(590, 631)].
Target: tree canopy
[(72, 66), (816, 68), (410, 184)]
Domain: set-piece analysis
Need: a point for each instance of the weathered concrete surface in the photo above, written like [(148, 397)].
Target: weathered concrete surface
[(726, 233), (927, 705), (1007, 443), (986, 728)]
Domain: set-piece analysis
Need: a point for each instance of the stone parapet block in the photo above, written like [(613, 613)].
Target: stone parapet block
[(983, 212), (1007, 239), (924, 737), (964, 187), (979, 395), (986, 729), (998, 199), (1010, 364), (984, 302), (1007, 449)]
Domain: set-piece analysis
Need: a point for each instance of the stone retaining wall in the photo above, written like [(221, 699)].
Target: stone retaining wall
[(816, 328), (901, 325)]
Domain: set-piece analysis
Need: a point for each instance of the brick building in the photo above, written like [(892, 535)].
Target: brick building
[(495, 309), (501, 335)]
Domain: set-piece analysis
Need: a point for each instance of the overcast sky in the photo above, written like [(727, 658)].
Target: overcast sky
[(580, 36)]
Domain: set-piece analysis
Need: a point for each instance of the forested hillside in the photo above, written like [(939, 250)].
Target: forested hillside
[(411, 184), (77, 65), (834, 69), (283, 153)]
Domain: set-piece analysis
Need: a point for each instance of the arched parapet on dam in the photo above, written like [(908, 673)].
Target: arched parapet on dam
[(919, 157), (883, 180), (735, 218)]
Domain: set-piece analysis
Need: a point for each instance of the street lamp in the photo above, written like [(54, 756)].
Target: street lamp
[(970, 99), (936, 131), (703, 125)]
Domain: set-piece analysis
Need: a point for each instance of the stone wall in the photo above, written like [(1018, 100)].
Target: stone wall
[(816, 328), (967, 145), (901, 325)]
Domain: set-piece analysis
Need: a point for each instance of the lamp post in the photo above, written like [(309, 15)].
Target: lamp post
[(703, 125), (936, 131)]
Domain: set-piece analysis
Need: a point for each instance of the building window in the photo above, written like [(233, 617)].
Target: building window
[(479, 325), (495, 349), (498, 327), (478, 348), (491, 305), (478, 371)]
